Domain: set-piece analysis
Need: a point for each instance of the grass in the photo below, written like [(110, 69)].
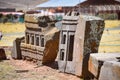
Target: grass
[(6, 71), (110, 42), (112, 23), (12, 27), (8, 28)]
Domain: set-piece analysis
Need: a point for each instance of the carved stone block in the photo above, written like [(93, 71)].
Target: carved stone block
[(96, 61), (110, 71)]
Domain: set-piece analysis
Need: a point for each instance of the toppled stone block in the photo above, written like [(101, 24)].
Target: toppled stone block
[(2, 54), (96, 61), (110, 71)]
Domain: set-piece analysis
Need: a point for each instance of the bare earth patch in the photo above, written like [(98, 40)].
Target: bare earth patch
[(24, 70)]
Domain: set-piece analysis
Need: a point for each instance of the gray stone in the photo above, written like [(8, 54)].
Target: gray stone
[(66, 44), (87, 38), (16, 51), (96, 61), (80, 36), (41, 39), (110, 71)]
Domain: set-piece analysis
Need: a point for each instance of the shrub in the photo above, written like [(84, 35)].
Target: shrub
[(108, 16), (1, 15), (9, 16), (5, 19)]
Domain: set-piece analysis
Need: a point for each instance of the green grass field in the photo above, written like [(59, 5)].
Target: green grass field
[(110, 41)]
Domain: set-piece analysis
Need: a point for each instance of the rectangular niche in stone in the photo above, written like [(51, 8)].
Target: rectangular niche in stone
[(32, 39), (42, 41), (66, 44), (80, 36), (27, 38), (37, 40)]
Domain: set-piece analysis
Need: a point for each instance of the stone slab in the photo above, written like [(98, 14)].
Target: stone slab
[(97, 60), (110, 71), (87, 39)]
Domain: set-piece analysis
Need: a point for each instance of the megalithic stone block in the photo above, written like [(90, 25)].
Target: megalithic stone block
[(96, 61), (41, 39), (66, 44), (110, 71), (80, 36), (87, 39)]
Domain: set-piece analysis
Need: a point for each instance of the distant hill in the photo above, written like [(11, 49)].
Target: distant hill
[(20, 4)]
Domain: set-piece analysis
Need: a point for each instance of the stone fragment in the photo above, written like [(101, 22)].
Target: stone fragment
[(2, 54), (51, 49), (110, 71), (16, 51), (96, 61)]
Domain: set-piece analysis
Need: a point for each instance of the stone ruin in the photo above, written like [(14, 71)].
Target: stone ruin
[(105, 66), (77, 46), (41, 39), (80, 36), (78, 49)]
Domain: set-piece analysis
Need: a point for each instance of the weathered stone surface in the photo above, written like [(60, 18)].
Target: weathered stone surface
[(87, 38), (31, 18), (41, 41), (66, 44), (110, 71), (16, 51), (31, 25), (51, 49), (42, 45), (2, 54), (96, 61), (87, 32)]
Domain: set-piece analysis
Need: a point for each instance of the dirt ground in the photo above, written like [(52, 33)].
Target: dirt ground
[(23, 70)]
